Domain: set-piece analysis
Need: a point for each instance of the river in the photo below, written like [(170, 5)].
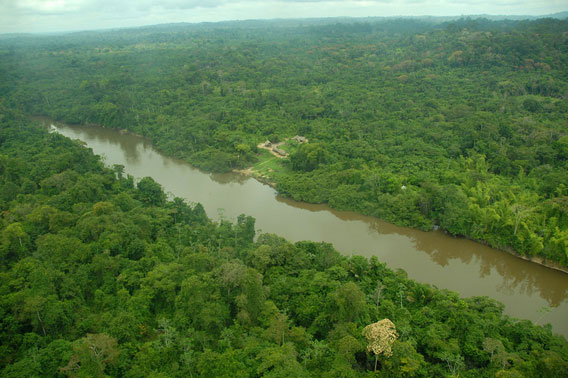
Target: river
[(528, 290)]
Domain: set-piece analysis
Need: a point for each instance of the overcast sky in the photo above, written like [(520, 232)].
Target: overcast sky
[(67, 15)]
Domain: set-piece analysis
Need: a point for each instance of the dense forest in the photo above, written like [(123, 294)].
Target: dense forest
[(460, 125), (104, 276)]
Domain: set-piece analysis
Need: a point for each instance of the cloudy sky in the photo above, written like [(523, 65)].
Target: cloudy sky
[(67, 15)]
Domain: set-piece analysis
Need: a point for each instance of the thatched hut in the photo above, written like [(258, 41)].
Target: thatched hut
[(300, 139)]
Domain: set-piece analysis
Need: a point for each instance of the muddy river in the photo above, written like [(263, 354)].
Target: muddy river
[(528, 290)]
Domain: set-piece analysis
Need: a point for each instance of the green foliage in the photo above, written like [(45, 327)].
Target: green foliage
[(101, 277), (424, 118), (150, 192)]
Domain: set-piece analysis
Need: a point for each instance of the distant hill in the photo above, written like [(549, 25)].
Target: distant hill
[(297, 22), (559, 16)]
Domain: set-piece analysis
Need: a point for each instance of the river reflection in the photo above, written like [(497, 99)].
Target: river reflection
[(224, 178), (433, 257)]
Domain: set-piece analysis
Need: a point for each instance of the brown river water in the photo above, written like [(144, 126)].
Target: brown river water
[(528, 290)]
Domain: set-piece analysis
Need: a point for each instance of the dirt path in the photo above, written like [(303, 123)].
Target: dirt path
[(264, 162)]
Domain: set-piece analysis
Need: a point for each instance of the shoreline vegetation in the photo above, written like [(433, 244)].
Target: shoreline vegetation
[(250, 172), (266, 180)]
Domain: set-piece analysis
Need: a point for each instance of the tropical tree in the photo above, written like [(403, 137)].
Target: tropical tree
[(380, 338)]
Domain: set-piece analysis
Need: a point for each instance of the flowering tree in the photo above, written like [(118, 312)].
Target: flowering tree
[(380, 337)]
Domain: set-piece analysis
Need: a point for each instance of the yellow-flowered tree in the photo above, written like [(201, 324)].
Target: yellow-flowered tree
[(380, 337)]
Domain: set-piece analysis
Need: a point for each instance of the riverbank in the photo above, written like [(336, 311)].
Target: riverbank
[(249, 172), (266, 180), (540, 261), (271, 167), (533, 259)]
